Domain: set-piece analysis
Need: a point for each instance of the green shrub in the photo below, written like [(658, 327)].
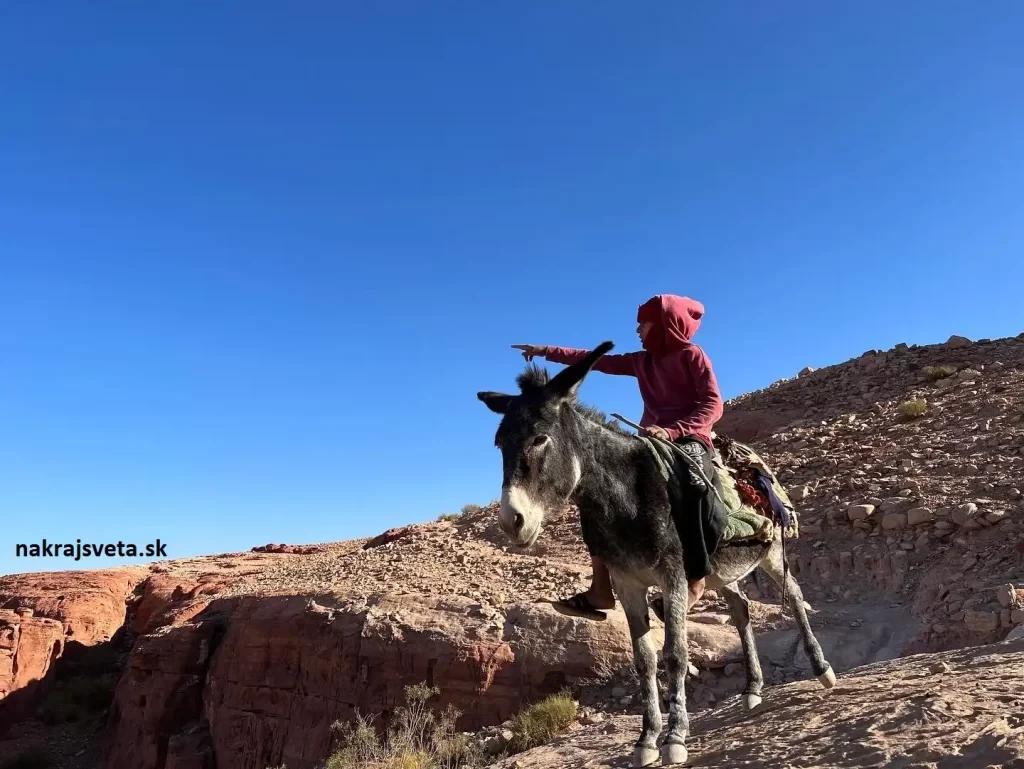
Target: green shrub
[(913, 409), (468, 509), (543, 720), (448, 517), (938, 372)]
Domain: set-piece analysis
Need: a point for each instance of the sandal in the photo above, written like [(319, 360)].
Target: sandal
[(579, 606)]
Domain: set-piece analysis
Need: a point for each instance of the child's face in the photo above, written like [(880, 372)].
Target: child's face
[(642, 330)]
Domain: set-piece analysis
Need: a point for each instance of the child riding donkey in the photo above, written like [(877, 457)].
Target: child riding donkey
[(682, 402), (648, 525)]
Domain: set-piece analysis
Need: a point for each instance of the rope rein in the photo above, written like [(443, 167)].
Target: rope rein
[(693, 463)]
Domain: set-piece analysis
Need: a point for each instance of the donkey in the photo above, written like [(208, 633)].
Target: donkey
[(556, 450)]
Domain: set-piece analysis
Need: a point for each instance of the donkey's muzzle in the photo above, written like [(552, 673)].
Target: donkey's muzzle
[(519, 517)]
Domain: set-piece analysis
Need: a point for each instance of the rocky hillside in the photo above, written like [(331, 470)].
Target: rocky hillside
[(906, 465), (952, 710)]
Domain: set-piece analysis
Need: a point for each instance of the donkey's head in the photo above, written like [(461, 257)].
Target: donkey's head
[(540, 441)]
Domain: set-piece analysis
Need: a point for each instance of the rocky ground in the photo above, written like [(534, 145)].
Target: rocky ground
[(953, 710), (912, 540)]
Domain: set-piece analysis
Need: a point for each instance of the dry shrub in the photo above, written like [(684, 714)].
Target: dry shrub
[(938, 372), (419, 738), (543, 720), (913, 409)]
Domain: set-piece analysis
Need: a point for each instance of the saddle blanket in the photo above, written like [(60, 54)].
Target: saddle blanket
[(754, 500)]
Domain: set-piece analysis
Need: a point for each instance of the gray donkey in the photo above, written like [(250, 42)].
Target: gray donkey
[(555, 450)]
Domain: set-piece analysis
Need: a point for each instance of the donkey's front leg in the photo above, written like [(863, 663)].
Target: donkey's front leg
[(634, 603), (676, 655)]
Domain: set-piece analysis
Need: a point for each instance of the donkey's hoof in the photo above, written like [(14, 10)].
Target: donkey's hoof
[(828, 678), (751, 701), (644, 756), (673, 753)]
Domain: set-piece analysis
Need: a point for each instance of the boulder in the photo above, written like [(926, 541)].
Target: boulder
[(1009, 597), (860, 512), (894, 521), (918, 516), (389, 536), (981, 621), (964, 513)]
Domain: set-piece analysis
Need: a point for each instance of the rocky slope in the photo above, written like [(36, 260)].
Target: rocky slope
[(927, 508), (911, 541), (952, 710)]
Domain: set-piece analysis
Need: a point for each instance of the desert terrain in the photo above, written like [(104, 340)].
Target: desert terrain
[(906, 466)]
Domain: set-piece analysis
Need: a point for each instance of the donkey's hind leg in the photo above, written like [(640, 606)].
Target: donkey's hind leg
[(740, 612), (645, 659), (773, 567), (676, 655)]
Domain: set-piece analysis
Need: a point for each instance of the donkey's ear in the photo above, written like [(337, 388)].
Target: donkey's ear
[(496, 402), (568, 380)]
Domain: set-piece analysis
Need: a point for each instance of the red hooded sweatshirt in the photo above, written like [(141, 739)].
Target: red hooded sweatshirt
[(677, 384)]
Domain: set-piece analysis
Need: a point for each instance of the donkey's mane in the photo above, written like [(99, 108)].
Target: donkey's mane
[(534, 378)]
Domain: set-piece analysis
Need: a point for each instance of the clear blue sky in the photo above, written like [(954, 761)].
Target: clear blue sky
[(255, 262)]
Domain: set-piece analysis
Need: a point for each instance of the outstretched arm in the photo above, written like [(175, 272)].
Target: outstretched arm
[(622, 365), (708, 407)]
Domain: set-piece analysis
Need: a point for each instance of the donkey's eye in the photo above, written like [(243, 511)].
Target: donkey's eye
[(539, 441)]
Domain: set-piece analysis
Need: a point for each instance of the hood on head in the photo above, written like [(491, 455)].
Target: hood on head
[(675, 318)]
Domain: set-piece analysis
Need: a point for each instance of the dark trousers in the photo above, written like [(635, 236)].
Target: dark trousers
[(699, 515)]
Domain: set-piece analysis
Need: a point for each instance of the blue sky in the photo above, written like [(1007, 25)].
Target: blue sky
[(257, 259)]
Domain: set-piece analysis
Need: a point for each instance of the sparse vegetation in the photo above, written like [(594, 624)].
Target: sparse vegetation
[(30, 758), (448, 517), (78, 698), (914, 409), (938, 372), (471, 508), (543, 720), (419, 738)]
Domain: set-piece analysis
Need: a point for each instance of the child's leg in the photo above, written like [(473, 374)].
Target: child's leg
[(600, 593), (696, 589), (598, 598)]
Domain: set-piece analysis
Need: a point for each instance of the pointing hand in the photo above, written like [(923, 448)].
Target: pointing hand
[(530, 350)]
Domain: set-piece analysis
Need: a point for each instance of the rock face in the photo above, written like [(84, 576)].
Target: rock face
[(40, 614), (266, 678), (28, 646), (956, 710), (90, 605)]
